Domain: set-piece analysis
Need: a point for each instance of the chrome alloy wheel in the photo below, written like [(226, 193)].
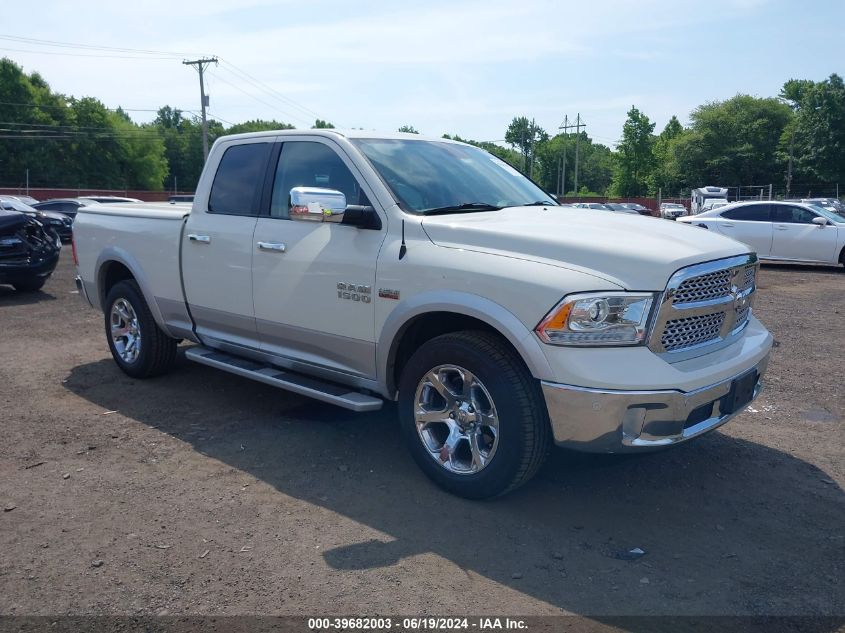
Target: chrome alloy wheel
[(125, 331), (456, 419)]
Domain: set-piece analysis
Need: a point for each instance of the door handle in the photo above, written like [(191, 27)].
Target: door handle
[(780, 227), (202, 239), (278, 247)]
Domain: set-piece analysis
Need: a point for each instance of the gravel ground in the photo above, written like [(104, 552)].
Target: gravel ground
[(204, 493)]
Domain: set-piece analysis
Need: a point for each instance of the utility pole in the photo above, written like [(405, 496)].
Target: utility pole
[(789, 167), (565, 128), (201, 65), (531, 149), (578, 126)]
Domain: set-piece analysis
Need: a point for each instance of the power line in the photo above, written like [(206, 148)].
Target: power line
[(221, 119), (258, 99), (152, 54), (230, 67), (100, 56), (67, 107), (59, 44)]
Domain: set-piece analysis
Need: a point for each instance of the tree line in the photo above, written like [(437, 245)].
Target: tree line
[(793, 141), (795, 138)]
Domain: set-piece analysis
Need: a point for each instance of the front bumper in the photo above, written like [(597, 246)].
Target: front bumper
[(608, 421), (29, 269)]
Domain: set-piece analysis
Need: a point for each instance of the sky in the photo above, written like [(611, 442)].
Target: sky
[(462, 67)]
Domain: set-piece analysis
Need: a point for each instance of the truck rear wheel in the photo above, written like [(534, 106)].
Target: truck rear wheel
[(472, 415), (137, 344)]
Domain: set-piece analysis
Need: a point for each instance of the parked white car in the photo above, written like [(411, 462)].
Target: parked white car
[(787, 231), (672, 211)]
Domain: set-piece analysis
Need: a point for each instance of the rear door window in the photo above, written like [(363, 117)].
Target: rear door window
[(239, 178), (750, 213), (792, 215)]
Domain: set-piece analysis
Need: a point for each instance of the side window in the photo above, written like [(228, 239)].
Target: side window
[(239, 177), (311, 164), (792, 215), (750, 213)]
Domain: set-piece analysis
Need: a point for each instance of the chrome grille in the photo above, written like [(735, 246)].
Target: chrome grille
[(741, 316), (749, 277), (684, 333), (704, 288), (705, 304)]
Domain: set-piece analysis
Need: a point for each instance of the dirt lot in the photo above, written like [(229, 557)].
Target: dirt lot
[(204, 493)]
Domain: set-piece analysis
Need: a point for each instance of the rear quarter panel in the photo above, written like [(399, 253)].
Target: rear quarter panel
[(145, 239)]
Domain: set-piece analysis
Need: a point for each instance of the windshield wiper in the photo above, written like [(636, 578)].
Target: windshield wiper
[(540, 203), (466, 207)]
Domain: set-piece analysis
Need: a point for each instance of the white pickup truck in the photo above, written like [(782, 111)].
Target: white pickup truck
[(357, 268)]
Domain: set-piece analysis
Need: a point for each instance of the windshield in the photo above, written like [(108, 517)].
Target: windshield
[(15, 205), (830, 214), (428, 176)]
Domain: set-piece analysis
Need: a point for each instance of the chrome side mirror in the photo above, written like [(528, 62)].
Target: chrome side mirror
[(314, 204), (820, 221)]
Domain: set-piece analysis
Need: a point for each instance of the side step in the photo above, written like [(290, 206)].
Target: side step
[(291, 381)]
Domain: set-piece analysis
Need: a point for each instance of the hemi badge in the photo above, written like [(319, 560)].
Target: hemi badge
[(387, 293)]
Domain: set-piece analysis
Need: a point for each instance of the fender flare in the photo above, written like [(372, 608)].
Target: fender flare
[(496, 316), (120, 255)]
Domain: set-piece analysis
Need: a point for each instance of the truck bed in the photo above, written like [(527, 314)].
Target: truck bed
[(146, 237)]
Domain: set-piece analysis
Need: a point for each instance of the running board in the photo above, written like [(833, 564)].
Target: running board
[(297, 383)]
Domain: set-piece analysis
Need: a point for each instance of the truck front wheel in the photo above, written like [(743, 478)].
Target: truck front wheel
[(472, 415), (137, 344)]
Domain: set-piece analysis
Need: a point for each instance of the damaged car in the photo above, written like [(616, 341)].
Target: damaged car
[(28, 251)]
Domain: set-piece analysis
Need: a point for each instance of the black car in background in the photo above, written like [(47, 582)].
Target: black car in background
[(28, 251), (58, 223), (637, 207), (68, 206)]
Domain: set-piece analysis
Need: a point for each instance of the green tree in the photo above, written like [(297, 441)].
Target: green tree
[(258, 125), (409, 129), (635, 156), (733, 142), (319, 124), (595, 164), (67, 141), (525, 136), (819, 127), (665, 175)]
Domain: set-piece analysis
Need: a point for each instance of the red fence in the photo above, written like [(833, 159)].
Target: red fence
[(47, 194)]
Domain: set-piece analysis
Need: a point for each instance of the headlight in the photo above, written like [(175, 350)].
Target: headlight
[(601, 318)]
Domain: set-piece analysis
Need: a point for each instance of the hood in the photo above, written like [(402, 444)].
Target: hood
[(11, 221), (632, 251), (55, 215)]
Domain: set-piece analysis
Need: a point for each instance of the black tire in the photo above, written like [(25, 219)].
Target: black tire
[(32, 285), (842, 258), (157, 351), (524, 433)]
